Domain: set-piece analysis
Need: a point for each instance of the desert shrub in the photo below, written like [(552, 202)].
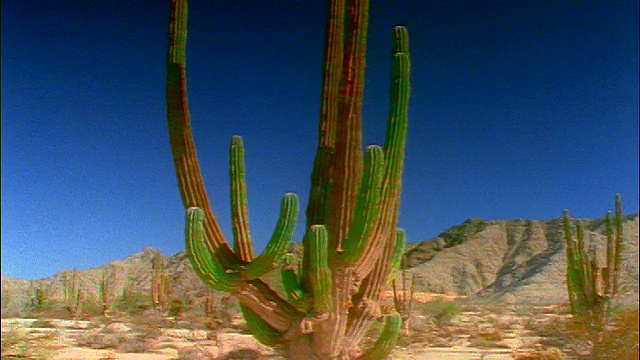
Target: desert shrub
[(43, 323), (100, 340), (540, 353), (20, 344), (133, 302), (592, 337), (486, 337), (441, 311), (178, 307)]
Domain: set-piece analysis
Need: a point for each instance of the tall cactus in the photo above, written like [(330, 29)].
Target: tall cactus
[(403, 298), (351, 244), (71, 292), (159, 282), (106, 289), (591, 285)]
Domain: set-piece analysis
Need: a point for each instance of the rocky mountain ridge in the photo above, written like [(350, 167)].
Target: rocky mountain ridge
[(509, 260)]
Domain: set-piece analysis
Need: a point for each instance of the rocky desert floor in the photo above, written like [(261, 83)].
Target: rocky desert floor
[(441, 328)]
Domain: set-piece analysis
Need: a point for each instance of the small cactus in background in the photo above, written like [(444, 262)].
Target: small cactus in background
[(403, 298), (71, 292), (210, 303), (351, 244), (38, 295), (159, 282), (591, 286), (106, 289)]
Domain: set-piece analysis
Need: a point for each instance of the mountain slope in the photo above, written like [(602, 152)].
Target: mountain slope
[(511, 260), (515, 260)]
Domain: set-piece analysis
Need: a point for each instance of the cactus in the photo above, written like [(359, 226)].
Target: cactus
[(106, 289), (71, 292), (351, 244), (159, 282), (403, 298), (591, 286), (38, 296)]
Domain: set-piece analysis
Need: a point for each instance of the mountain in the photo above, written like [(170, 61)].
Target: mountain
[(509, 260), (519, 260)]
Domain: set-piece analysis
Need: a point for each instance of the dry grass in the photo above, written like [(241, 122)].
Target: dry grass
[(586, 336), (540, 353), (20, 343)]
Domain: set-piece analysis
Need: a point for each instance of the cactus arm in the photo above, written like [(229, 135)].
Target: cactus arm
[(367, 206), (607, 271), (395, 140), (264, 333), (291, 282), (320, 273), (238, 196), (191, 185), (321, 184), (387, 340), (201, 257), (575, 281), (347, 166), (256, 296), (619, 246), (367, 300), (279, 242), (586, 271), (398, 252)]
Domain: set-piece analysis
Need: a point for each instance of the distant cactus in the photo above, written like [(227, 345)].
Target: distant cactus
[(159, 282), (403, 298), (351, 242), (71, 292), (210, 303), (591, 286), (106, 289), (38, 295)]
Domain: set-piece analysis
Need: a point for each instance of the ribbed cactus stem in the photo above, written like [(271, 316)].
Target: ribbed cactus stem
[(574, 277), (238, 195), (203, 262), (367, 207), (279, 242), (260, 329), (398, 253), (387, 340), (320, 273), (394, 147), (291, 281), (618, 247)]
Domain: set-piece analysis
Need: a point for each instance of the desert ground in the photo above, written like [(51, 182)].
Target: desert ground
[(453, 327)]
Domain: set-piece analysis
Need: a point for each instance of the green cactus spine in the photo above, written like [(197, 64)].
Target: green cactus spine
[(351, 243)]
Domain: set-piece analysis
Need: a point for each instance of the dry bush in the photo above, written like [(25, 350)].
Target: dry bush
[(43, 324), (587, 337), (540, 353), (440, 311), (20, 343), (486, 336)]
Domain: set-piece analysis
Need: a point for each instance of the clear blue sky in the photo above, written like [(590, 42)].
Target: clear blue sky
[(518, 109)]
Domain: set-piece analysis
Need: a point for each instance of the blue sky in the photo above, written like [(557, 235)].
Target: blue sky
[(518, 110)]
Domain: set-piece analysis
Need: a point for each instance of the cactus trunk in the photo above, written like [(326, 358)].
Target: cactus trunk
[(351, 244)]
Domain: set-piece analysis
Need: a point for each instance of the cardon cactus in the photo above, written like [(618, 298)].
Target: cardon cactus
[(351, 243), (591, 285)]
